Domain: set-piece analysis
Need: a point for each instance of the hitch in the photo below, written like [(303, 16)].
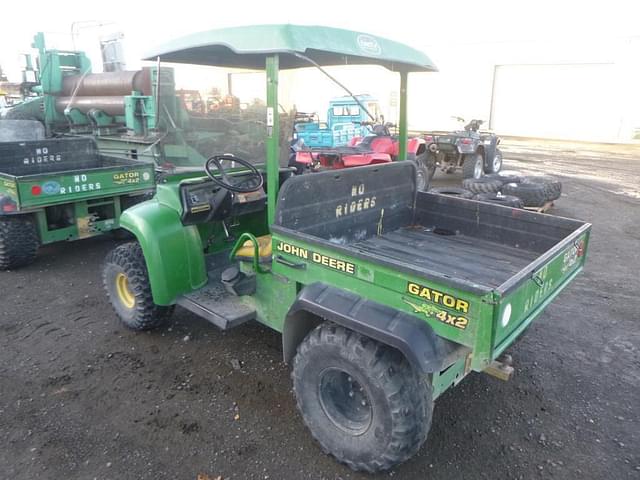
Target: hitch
[(501, 368)]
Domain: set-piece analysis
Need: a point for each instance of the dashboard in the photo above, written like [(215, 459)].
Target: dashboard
[(204, 201)]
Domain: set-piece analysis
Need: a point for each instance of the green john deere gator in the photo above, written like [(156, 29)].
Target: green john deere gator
[(385, 296)]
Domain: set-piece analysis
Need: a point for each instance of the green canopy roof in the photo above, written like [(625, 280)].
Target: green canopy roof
[(248, 47)]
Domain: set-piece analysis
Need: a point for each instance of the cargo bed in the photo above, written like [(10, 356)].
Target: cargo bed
[(39, 173), (453, 255)]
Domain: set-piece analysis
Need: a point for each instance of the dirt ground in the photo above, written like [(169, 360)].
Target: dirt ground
[(81, 397)]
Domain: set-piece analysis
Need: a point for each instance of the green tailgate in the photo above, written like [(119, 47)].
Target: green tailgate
[(521, 300), (70, 186)]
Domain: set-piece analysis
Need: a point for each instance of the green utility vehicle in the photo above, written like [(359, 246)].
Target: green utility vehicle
[(385, 296), (61, 189)]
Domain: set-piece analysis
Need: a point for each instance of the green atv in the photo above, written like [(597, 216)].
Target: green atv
[(385, 296)]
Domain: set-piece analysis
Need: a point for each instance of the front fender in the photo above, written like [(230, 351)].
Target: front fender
[(173, 252), (414, 144)]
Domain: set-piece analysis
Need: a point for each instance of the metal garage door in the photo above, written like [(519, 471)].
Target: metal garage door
[(569, 101)]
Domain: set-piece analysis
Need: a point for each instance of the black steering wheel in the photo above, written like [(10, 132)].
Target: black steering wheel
[(232, 184)]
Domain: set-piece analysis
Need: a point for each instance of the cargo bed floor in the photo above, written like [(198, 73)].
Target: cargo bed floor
[(479, 261)]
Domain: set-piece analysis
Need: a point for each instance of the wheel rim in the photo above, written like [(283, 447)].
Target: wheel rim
[(477, 169), (345, 401), (125, 295), (497, 163)]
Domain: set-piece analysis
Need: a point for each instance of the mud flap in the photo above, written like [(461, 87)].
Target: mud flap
[(420, 345)]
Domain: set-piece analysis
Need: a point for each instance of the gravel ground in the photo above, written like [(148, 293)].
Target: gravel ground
[(81, 397)]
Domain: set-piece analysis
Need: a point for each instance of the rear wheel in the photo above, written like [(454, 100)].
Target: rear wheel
[(495, 164), (432, 164), (424, 172), (18, 242), (362, 401), (126, 280), (472, 166)]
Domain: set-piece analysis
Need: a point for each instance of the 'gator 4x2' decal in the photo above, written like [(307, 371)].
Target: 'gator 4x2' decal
[(430, 311)]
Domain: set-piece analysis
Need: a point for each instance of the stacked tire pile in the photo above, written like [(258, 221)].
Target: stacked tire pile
[(508, 189)]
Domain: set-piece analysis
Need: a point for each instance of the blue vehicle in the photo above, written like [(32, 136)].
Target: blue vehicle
[(344, 118)]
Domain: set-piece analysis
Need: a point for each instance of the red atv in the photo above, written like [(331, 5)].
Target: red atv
[(378, 147)]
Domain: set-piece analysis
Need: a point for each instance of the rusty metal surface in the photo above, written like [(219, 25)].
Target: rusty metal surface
[(107, 84), (111, 105)]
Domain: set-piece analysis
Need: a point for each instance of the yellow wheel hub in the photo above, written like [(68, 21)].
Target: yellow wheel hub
[(125, 294)]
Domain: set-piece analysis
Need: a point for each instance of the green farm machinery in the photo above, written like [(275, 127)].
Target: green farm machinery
[(136, 114)]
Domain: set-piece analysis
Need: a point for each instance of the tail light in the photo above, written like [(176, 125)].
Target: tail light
[(9, 207), (466, 141)]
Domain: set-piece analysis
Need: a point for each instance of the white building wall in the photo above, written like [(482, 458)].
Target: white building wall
[(465, 83)]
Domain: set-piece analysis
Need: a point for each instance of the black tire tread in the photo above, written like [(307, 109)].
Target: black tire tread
[(452, 191), (468, 164), (422, 167), (147, 314), (552, 185), (482, 185), (531, 194), (18, 241), (409, 395)]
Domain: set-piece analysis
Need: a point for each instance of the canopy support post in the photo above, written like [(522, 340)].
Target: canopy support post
[(402, 121), (273, 137)]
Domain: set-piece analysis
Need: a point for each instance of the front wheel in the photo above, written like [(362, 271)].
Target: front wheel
[(126, 280), (472, 166), (362, 401)]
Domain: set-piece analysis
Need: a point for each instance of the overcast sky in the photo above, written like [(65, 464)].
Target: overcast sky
[(420, 24)]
